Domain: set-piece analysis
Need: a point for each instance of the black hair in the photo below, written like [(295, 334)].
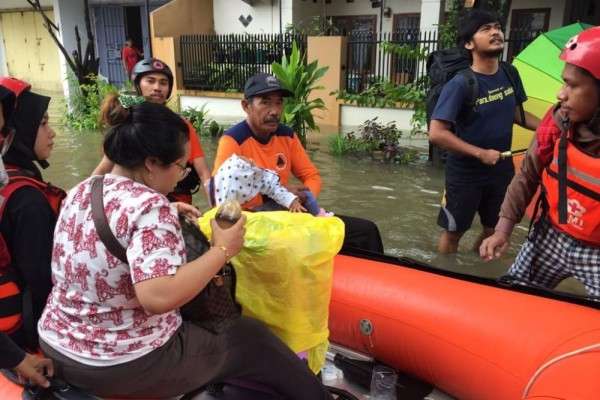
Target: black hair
[(142, 131), (471, 21)]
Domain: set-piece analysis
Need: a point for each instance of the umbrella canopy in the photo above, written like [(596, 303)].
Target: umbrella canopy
[(540, 70)]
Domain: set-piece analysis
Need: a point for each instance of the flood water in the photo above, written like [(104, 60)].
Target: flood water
[(403, 200)]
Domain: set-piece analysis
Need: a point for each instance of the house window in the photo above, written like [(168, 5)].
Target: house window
[(526, 25), (405, 32), (406, 21), (346, 24)]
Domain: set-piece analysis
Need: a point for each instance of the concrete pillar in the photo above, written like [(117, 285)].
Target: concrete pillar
[(329, 51), (431, 10), (67, 15)]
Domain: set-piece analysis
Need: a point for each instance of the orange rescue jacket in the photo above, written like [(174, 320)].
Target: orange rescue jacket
[(10, 294), (582, 194)]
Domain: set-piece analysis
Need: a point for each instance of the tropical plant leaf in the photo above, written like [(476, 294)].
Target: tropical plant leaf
[(301, 79)]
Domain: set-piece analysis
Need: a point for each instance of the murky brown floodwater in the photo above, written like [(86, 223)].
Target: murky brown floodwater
[(402, 200)]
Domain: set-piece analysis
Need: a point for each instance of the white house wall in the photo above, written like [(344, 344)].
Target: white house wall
[(265, 16), (224, 110), (353, 116), (303, 10)]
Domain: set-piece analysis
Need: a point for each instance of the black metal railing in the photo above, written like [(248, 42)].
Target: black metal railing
[(225, 62), (367, 62)]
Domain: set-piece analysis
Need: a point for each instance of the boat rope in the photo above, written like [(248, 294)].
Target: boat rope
[(555, 360)]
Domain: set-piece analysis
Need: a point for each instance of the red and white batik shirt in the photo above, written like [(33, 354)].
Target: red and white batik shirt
[(93, 315)]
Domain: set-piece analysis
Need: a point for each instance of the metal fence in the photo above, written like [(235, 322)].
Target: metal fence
[(225, 62), (367, 62)]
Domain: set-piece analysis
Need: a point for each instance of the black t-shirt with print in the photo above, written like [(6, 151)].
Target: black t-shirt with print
[(490, 127)]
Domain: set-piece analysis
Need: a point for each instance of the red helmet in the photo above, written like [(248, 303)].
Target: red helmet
[(15, 85), (583, 50), (10, 89)]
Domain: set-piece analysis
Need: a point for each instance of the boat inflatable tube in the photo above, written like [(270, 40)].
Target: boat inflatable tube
[(472, 340)]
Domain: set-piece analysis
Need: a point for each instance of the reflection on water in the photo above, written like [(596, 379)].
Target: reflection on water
[(402, 200)]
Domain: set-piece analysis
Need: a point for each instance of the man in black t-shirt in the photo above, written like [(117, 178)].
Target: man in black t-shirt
[(476, 176)]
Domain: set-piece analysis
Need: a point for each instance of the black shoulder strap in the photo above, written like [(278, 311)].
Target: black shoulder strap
[(101, 222), (470, 105), (562, 179), (510, 72)]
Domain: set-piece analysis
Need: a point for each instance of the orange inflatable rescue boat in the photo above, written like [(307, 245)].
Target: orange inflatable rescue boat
[(469, 336)]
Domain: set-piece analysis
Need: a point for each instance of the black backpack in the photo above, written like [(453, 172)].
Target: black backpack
[(443, 65)]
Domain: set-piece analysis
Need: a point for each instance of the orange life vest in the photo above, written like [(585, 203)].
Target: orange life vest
[(10, 294), (582, 194)]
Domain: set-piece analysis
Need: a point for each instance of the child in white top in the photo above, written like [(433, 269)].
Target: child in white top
[(240, 179)]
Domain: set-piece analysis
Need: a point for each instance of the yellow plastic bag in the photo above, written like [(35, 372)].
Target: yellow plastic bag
[(284, 275)]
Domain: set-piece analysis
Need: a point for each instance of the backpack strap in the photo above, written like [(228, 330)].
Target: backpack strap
[(470, 104), (511, 73), (101, 222)]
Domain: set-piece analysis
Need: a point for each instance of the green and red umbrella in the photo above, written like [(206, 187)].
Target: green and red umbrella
[(540, 70)]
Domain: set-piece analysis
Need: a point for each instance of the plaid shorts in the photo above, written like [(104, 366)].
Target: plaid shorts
[(550, 256)]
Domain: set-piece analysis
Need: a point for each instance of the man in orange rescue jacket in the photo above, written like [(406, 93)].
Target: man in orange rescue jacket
[(564, 158), (272, 145)]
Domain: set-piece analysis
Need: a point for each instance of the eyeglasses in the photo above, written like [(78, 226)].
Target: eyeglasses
[(185, 170)]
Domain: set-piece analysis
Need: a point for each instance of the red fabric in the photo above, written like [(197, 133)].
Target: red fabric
[(547, 134), (130, 55)]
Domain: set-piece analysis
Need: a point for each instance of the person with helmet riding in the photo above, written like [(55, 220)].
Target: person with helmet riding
[(153, 80), (27, 221), (564, 158)]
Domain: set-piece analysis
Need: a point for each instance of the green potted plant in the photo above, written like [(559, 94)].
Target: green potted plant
[(301, 79)]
